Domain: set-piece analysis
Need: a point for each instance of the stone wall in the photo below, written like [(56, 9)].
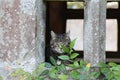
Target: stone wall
[(22, 28)]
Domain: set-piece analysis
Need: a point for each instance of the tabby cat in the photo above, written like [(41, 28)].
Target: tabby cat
[(57, 40)]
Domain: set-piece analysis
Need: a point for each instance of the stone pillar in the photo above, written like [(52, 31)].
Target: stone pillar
[(94, 31), (40, 34), (22, 28)]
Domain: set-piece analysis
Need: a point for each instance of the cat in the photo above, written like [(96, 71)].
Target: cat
[(56, 41), (59, 39)]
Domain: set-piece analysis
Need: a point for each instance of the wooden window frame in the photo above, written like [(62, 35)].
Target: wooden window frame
[(78, 14)]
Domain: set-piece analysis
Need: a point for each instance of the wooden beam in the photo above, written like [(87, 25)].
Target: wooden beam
[(75, 14), (79, 13), (94, 31), (113, 13)]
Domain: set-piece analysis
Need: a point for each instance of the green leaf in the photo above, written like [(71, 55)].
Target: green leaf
[(72, 44), (76, 64), (75, 74), (102, 64), (82, 77), (66, 50), (82, 63), (53, 61), (52, 75), (105, 71), (112, 64), (1, 78), (62, 68), (45, 72), (48, 65), (71, 65), (63, 77), (39, 69), (38, 78), (117, 68), (52, 72), (74, 55), (110, 76), (64, 57), (41, 66), (96, 74), (30, 78)]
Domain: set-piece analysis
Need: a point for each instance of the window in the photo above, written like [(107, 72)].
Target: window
[(76, 28), (76, 31)]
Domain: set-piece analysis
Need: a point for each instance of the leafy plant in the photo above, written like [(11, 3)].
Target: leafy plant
[(111, 71), (38, 74), (1, 78), (75, 69)]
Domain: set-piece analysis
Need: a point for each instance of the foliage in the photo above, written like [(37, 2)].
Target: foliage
[(74, 69), (38, 74), (111, 71), (1, 78)]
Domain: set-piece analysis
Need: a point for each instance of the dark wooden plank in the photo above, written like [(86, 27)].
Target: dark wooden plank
[(108, 54), (75, 14), (113, 13), (79, 13)]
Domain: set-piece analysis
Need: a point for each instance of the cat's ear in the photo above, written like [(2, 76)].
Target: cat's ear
[(53, 35), (68, 33)]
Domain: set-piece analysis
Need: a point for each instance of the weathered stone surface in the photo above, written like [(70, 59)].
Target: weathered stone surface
[(18, 36), (40, 34), (94, 31)]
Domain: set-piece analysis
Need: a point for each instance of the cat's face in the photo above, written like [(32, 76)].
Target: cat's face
[(59, 39)]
